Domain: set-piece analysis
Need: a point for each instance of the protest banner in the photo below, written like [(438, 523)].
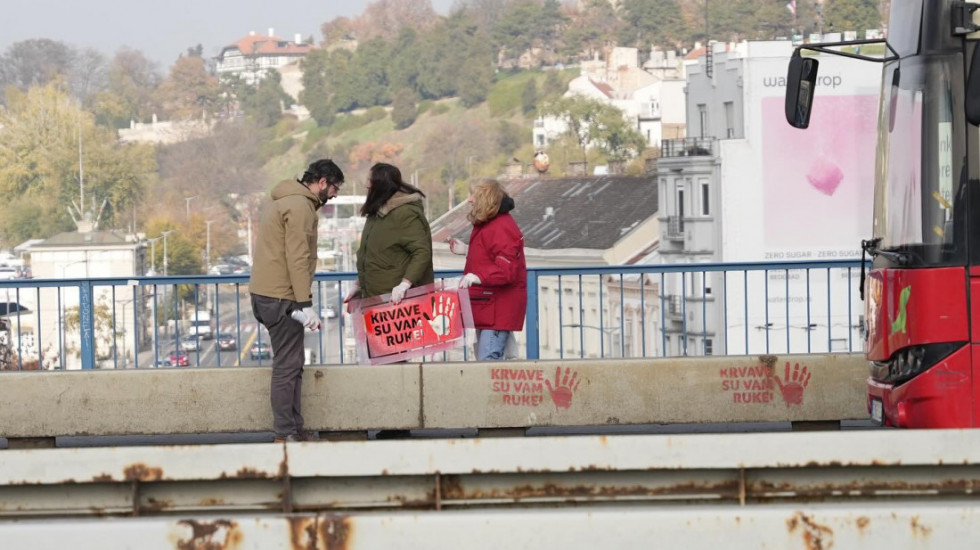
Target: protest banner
[(430, 319)]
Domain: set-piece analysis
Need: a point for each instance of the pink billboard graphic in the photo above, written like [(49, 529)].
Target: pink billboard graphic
[(818, 183)]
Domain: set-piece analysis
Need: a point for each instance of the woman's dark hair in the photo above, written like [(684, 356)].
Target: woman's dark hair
[(386, 180), (323, 168)]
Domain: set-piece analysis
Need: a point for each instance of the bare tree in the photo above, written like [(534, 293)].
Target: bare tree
[(385, 18)]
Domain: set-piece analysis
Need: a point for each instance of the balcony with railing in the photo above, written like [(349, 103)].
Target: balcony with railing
[(688, 147), (675, 228)]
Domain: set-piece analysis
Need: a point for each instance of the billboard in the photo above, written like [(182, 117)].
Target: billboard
[(818, 184)]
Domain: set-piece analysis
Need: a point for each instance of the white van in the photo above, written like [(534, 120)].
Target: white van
[(199, 324)]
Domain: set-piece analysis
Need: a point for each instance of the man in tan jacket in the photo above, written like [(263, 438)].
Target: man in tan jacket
[(281, 283)]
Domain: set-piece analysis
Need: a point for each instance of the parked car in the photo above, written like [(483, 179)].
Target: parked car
[(190, 343), (227, 341), (260, 351), (328, 312), (178, 358), (8, 273)]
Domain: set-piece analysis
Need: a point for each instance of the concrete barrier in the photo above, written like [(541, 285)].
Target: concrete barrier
[(799, 388)]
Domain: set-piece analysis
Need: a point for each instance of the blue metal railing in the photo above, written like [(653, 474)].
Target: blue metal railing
[(572, 312)]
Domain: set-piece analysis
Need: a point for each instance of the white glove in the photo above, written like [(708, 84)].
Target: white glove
[(399, 291), (457, 246), (311, 321), (354, 289), (469, 280)]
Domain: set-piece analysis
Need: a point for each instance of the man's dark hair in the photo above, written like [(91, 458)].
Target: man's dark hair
[(323, 168), (386, 180)]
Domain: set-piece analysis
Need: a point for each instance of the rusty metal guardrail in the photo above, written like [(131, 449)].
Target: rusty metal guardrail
[(809, 490)]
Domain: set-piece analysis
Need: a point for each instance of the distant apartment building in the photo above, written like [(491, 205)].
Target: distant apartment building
[(88, 253), (253, 55), (165, 132), (651, 96), (744, 186)]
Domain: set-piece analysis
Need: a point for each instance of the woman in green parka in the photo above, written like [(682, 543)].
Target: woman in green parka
[(396, 243)]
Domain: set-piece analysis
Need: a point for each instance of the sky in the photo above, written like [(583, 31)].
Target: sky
[(162, 29)]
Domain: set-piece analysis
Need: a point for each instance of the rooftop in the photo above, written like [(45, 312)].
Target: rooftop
[(575, 212)]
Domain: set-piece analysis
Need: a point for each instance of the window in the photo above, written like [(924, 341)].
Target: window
[(703, 119), (730, 119), (705, 198), (709, 347)]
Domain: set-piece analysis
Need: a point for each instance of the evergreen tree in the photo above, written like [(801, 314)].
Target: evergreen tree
[(529, 97), (404, 111), (651, 22), (851, 15)]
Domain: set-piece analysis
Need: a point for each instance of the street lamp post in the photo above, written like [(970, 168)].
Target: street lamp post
[(187, 206), (207, 247), (153, 253), (164, 235)]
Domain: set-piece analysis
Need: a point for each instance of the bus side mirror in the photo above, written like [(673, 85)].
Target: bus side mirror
[(800, 82), (973, 90)]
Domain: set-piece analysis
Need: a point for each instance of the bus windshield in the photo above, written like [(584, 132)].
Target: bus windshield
[(920, 151)]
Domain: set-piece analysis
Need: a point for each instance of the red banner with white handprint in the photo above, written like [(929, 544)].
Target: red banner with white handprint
[(430, 319)]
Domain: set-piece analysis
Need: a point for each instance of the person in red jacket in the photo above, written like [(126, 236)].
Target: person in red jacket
[(495, 271)]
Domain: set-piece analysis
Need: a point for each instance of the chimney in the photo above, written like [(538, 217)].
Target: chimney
[(650, 165), (549, 212), (272, 31), (251, 33), (514, 170), (617, 167), (298, 39), (576, 168)]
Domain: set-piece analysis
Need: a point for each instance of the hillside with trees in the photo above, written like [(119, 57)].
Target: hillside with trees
[(447, 98)]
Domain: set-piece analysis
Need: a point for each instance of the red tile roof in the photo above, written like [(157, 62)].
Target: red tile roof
[(694, 54), (603, 87), (268, 45)]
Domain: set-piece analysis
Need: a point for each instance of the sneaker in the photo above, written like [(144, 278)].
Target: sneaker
[(309, 435), (291, 438), (394, 434)]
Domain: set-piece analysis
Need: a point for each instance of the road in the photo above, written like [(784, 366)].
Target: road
[(234, 314)]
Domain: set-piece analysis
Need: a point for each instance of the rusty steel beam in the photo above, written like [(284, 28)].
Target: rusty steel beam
[(732, 469), (894, 525)]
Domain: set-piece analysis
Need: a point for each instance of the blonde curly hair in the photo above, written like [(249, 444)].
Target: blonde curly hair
[(486, 195)]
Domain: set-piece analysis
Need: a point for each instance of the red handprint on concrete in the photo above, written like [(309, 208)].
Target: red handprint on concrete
[(564, 387), (792, 385), (443, 312)]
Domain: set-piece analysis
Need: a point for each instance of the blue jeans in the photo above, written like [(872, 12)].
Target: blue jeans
[(490, 344)]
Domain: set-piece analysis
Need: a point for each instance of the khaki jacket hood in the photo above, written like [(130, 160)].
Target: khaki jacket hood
[(286, 188), (398, 199), (396, 244)]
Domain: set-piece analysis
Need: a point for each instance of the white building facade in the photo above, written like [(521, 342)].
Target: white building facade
[(747, 187), (651, 97)]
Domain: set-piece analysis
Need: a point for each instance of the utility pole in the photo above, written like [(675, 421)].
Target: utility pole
[(248, 232), (81, 171), (164, 235), (153, 253), (187, 206), (207, 249)]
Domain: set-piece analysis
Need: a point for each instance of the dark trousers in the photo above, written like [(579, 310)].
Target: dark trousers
[(287, 362)]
